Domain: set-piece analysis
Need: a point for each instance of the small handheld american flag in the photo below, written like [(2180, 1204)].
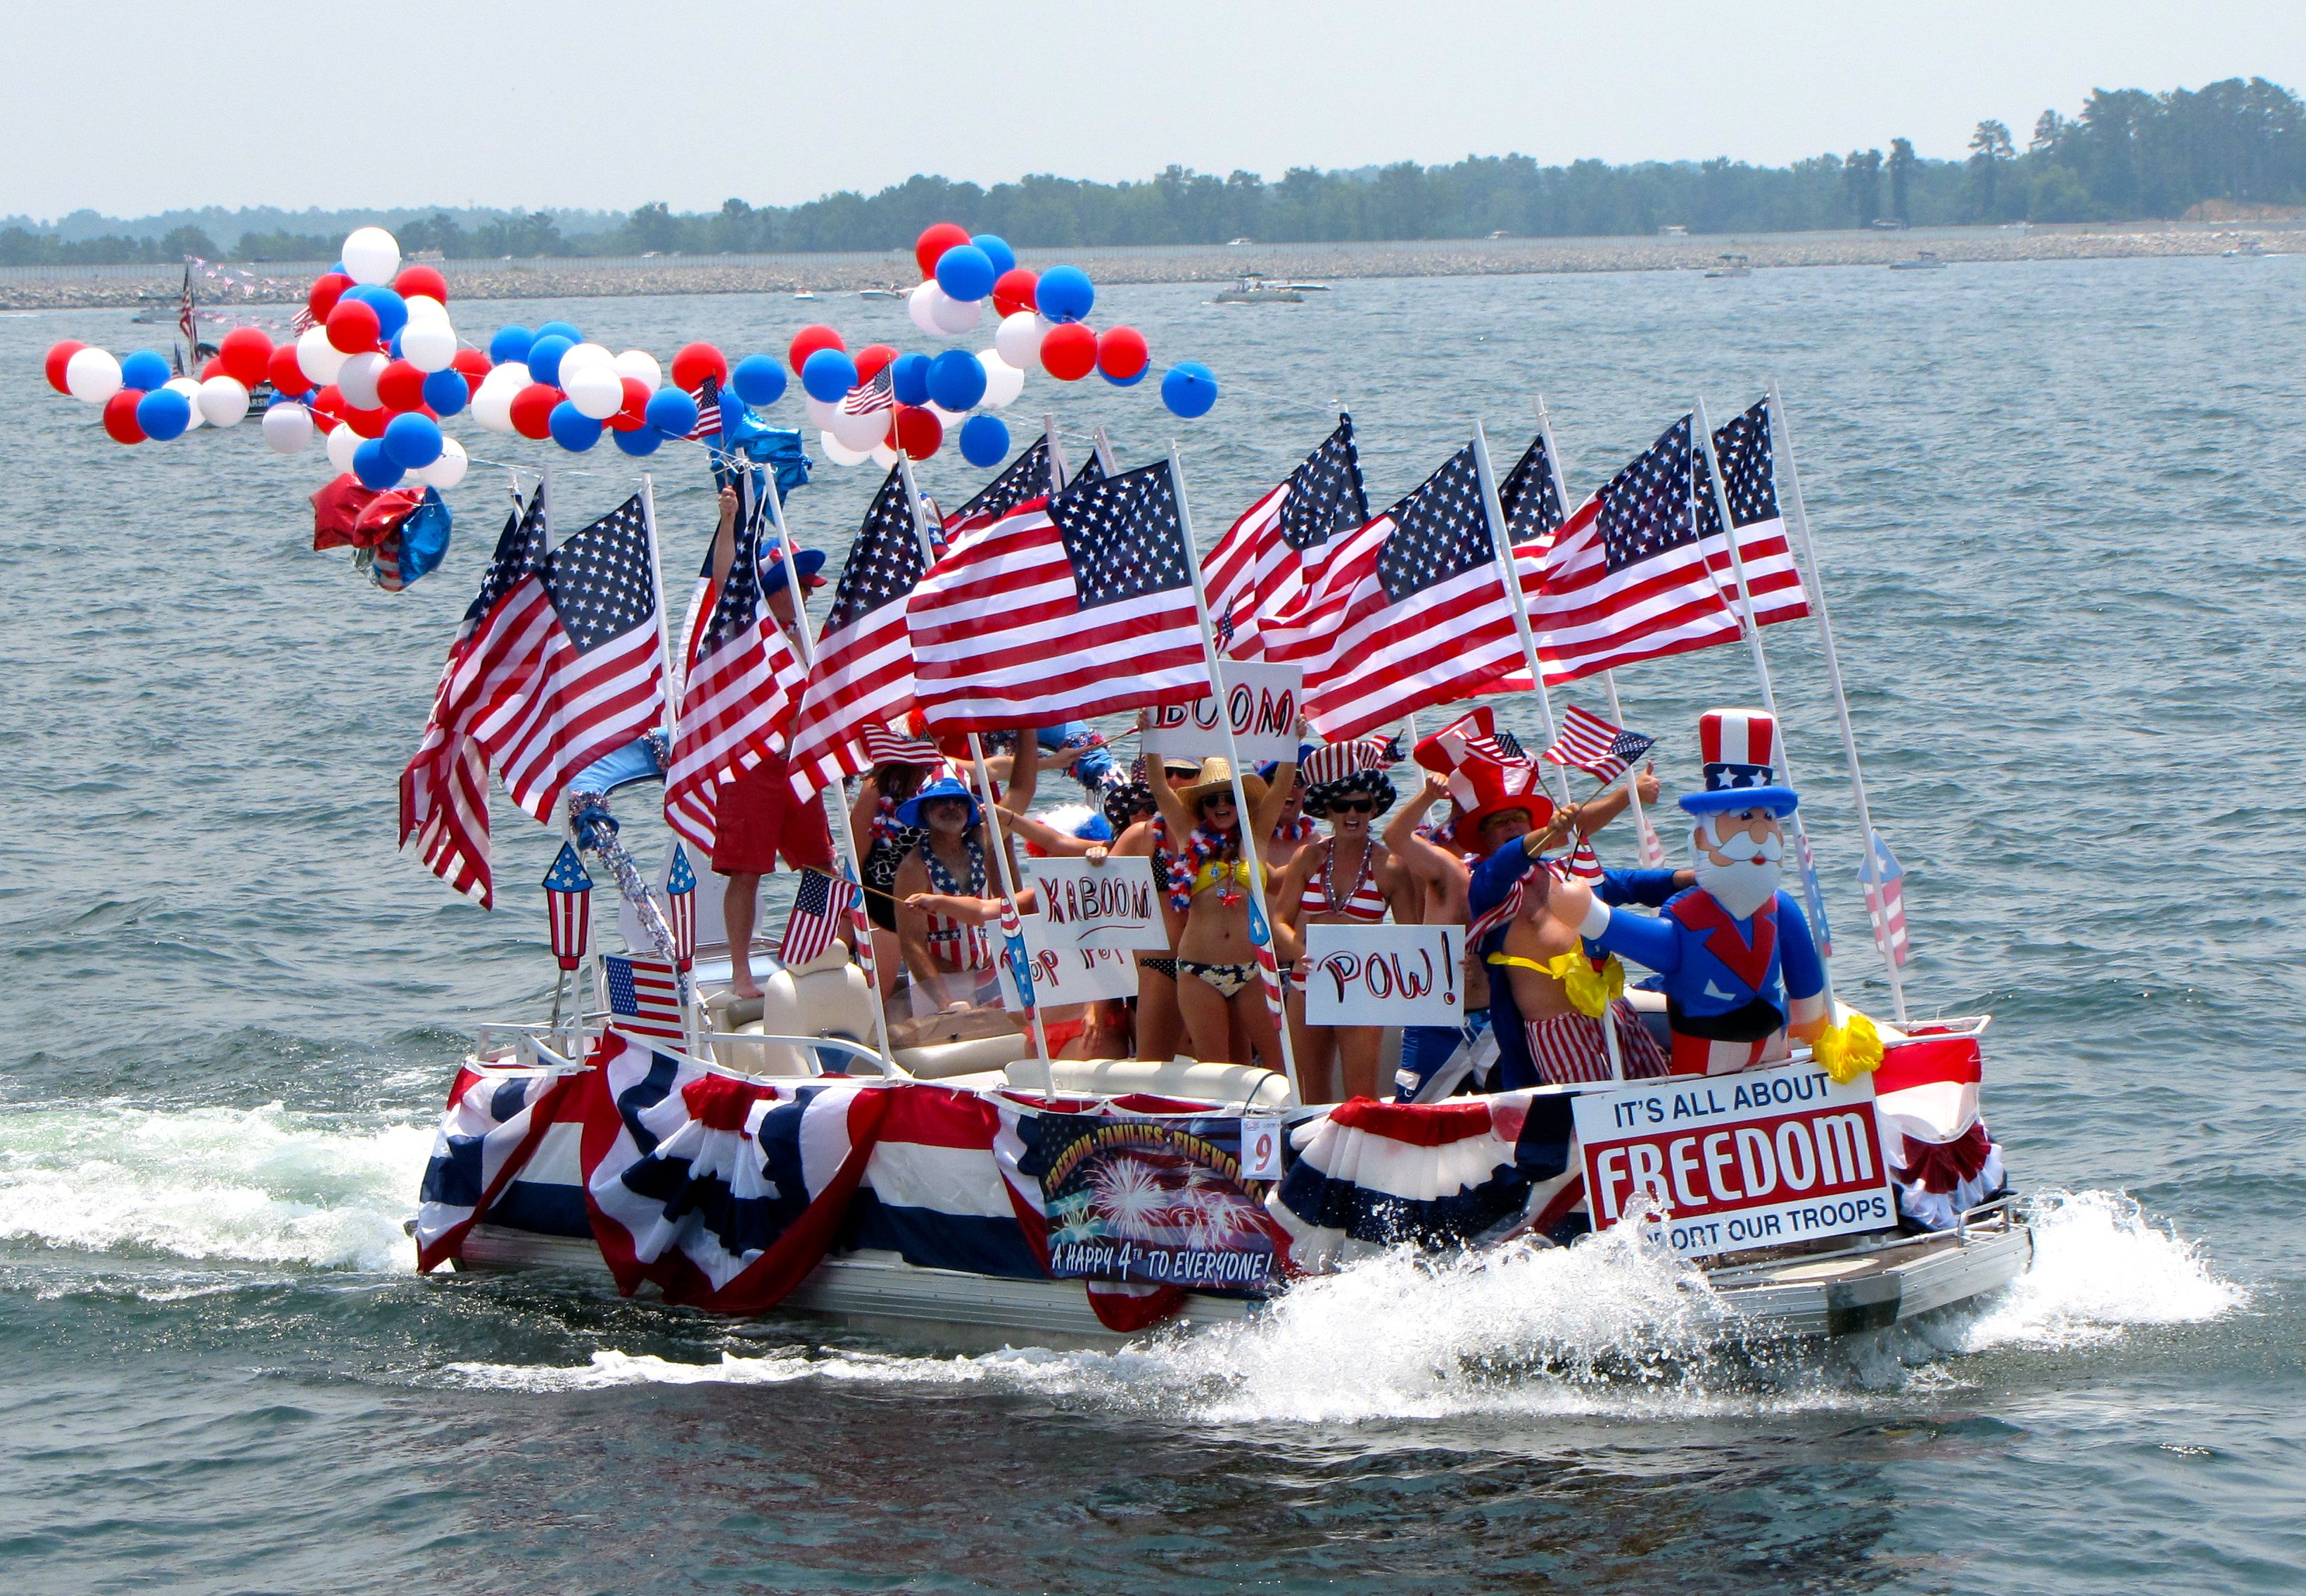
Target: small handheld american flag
[(817, 912), (1591, 744), (644, 996)]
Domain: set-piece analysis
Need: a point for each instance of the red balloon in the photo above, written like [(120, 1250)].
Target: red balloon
[(245, 353), (1016, 289), (212, 367), (474, 365), (284, 373), (120, 416), (326, 289), (532, 409), (59, 357), (400, 386), (1069, 351), (328, 401), (1121, 353), (368, 423), (918, 432), (420, 279), (935, 241), (871, 360), (807, 341), (353, 327), (631, 414), (696, 363)]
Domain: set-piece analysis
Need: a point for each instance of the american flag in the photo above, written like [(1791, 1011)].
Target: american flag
[(680, 906), (707, 395), (864, 670), (1584, 864), (1885, 902), (1410, 611), (1027, 476), (879, 393), (815, 924), (1259, 566), (884, 744), (1773, 579), (1472, 738), (743, 683), (1625, 579), (1077, 605), (444, 792), (599, 677), (860, 937), (569, 905), (644, 996), (1591, 744)]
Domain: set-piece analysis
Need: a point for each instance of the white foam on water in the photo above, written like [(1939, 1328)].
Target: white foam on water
[(260, 1185), (610, 1368)]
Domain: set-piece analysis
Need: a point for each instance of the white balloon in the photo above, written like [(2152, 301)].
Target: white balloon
[(839, 453), (428, 346), (1003, 381), (446, 471), (921, 305), (223, 402), (190, 387), (822, 414), (641, 365), (883, 456), (317, 358), (371, 255), (595, 390), (357, 380), (423, 307), (861, 432), (581, 356), (93, 376), (340, 446), (1018, 339), (512, 376), (492, 405), (955, 315), (289, 428)]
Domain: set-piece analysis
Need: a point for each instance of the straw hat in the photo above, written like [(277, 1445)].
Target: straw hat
[(1217, 776)]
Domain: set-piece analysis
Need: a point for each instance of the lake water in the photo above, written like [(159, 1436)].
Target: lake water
[(2060, 510)]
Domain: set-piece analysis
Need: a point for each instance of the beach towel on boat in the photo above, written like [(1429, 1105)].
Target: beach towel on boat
[(1467, 1172), (1941, 1158), (496, 1123)]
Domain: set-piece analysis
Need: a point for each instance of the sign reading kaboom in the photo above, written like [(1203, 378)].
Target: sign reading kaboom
[(1264, 700)]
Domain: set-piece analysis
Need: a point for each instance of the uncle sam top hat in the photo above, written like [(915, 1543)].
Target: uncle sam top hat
[(1739, 748)]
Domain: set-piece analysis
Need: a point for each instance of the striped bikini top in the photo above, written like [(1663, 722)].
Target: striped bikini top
[(1365, 902)]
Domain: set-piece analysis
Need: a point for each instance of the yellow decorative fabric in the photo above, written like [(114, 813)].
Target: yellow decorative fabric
[(1590, 991), (1846, 1052)]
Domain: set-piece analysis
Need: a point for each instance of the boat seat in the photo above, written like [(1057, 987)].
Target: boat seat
[(941, 1061), (825, 997), (1179, 1078)]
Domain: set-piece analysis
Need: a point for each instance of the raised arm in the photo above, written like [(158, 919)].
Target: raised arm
[(1024, 773), (1600, 809), (1165, 799), (1277, 797), (1032, 828), (1421, 855)]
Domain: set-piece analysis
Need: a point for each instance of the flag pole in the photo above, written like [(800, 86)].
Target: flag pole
[(852, 863), (993, 810), (1276, 998), (1701, 442), (670, 722), (1870, 870), (1058, 475), (1105, 452), (1501, 539)]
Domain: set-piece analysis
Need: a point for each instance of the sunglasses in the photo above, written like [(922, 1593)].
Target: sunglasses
[(1361, 805)]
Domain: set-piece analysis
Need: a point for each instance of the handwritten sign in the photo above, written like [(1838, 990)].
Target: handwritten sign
[(1264, 700), (1066, 974), (1112, 906), (1386, 975), (1738, 1160)]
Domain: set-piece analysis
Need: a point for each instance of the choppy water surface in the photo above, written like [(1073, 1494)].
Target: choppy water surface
[(2059, 512)]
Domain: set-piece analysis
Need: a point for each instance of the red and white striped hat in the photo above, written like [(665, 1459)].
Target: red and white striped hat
[(1739, 750)]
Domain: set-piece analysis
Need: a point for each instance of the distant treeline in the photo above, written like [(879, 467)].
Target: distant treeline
[(2130, 154)]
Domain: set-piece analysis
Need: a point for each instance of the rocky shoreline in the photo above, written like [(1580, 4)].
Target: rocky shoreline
[(576, 277)]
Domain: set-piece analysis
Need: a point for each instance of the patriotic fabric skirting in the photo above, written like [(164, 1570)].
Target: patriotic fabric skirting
[(1571, 1048)]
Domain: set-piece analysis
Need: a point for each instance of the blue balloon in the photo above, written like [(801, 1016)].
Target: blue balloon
[(573, 430), (759, 379), (412, 441), (510, 343), (984, 440), (909, 379), (446, 391), (144, 370), (640, 440), (374, 467), (997, 251), (164, 412), (956, 380), (392, 310), (1189, 388), (544, 357), (560, 329), (668, 410), (1126, 381), (965, 272), (392, 345), (1065, 293), (828, 374)]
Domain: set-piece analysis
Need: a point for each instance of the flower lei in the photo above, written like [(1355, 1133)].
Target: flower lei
[(1185, 867), (1300, 830)]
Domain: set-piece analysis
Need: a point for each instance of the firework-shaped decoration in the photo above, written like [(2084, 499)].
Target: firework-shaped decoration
[(681, 906), (569, 902)]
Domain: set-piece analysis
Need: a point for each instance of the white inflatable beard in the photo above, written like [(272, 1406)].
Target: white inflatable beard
[(1751, 877)]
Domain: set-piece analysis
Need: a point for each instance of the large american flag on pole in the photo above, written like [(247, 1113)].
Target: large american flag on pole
[(1591, 744), (444, 792), (1773, 579), (1026, 477), (1259, 566), (1408, 611), (864, 669), (1076, 605)]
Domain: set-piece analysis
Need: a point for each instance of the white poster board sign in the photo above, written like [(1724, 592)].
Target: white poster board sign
[(1385, 974), (1738, 1160), (1063, 974), (1112, 906), (1265, 701)]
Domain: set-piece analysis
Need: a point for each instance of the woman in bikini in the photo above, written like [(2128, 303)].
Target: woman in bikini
[(1347, 878), (944, 882), (1217, 979), (1142, 833)]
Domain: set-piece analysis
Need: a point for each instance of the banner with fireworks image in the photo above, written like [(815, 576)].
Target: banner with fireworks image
[(1152, 1202)]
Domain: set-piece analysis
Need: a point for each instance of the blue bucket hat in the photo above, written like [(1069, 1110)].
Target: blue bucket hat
[(909, 813)]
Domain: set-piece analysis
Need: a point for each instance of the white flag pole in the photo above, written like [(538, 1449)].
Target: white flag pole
[(1870, 870), (670, 722), (1058, 475), (1105, 453), (1501, 538), (1278, 998)]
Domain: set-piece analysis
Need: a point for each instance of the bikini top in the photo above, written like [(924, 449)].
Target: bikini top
[(1218, 872), (1365, 902)]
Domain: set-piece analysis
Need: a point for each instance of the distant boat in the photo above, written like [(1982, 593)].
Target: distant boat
[(879, 294), (803, 294), (1306, 288), (2246, 249), (1924, 261), (1251, 289), (1733, 266)]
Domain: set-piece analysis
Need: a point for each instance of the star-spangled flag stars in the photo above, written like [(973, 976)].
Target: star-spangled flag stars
[(819, 906), (1592, 745), (1260, 565), (1025, 477), (1408, 611), (1080, 604), (1749, 481)]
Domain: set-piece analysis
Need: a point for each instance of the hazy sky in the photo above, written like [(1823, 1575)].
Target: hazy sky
[(130, 106)]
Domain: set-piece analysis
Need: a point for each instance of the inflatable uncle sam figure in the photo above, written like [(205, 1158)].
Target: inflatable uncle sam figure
[(1740, 967)]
